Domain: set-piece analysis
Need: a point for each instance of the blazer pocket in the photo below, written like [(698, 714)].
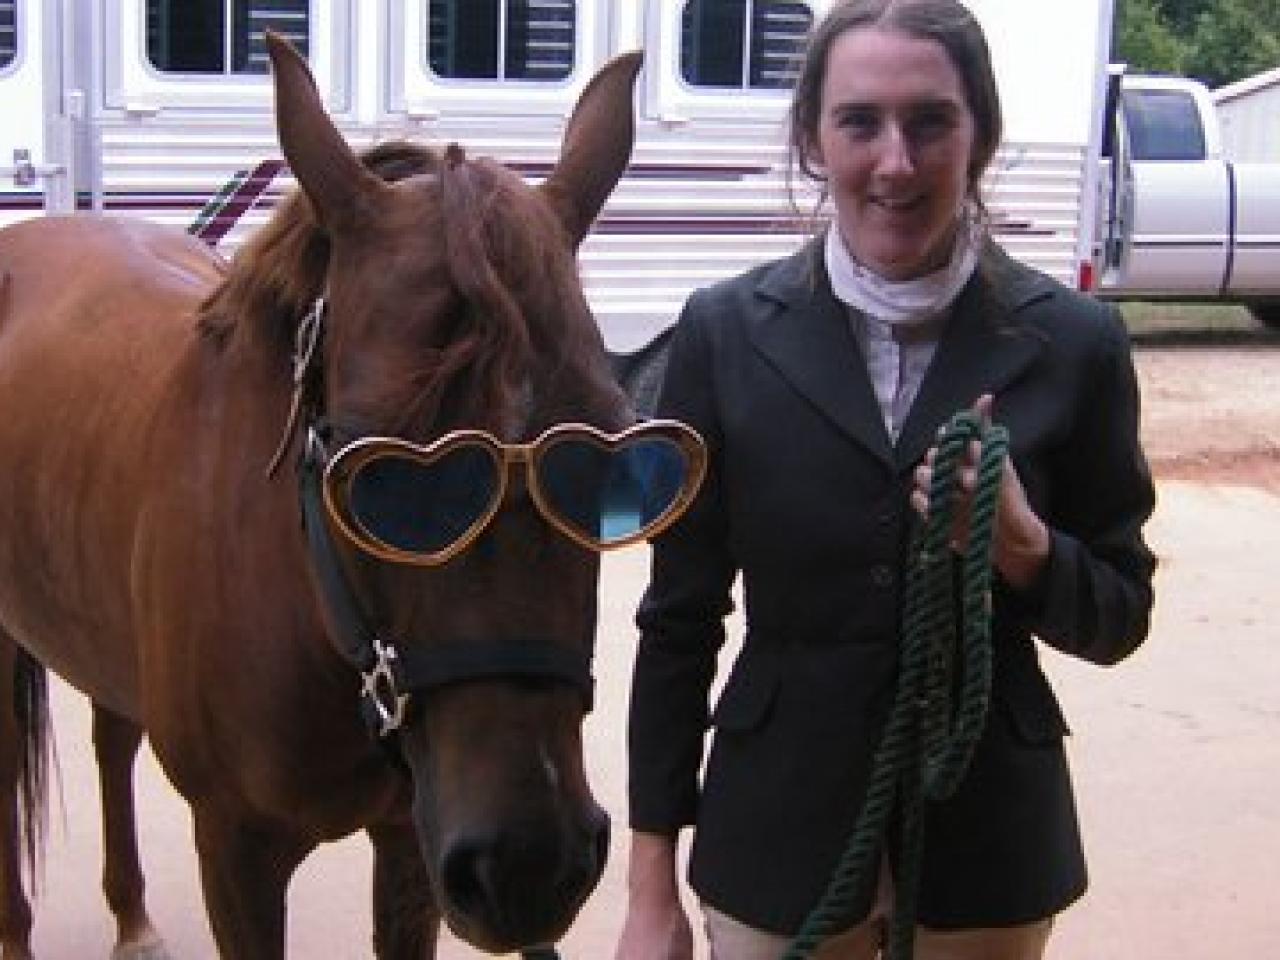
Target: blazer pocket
[(1033, 711), (748, 694)]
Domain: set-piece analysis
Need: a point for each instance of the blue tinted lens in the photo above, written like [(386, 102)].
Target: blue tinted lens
[(422, 507), (610, 495)]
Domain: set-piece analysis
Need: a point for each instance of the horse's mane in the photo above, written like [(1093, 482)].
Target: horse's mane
[(278, 273), (523, 305)]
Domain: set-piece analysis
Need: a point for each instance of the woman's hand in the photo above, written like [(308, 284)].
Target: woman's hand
[(1020, 541), (656, 926)]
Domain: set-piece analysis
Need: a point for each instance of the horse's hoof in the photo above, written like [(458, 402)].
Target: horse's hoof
[(149, 947)]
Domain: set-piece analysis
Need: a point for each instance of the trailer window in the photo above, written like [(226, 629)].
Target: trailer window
[(501, 39), (742, 43), (8, 32), (1163, 125), (221, 36)]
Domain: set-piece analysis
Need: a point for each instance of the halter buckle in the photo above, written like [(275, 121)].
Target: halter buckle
[(385, 705)]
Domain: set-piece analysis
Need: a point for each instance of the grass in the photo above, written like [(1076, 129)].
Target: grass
[(1192, 322)]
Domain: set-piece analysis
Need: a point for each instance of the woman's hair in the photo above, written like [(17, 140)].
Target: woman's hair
[(947, 23)]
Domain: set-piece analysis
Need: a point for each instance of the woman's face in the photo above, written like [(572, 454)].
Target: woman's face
[(895, 137)]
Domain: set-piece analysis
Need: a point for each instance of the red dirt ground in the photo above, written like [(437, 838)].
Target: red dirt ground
[(1176, 752)]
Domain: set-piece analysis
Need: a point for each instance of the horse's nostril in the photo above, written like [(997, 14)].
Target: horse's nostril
[(582, 869), (467, 873), (523, 886), (601, 843)]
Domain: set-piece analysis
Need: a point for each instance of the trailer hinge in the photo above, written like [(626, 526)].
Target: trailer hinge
[(25, 173)]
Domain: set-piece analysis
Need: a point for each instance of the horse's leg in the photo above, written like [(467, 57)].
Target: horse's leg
[(405, 919), (15, 910), (245, 866), (115, 744)]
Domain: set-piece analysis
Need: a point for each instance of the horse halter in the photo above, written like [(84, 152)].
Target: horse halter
[(401, 502)]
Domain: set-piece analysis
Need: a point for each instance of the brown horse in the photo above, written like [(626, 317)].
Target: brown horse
[(152, 555)]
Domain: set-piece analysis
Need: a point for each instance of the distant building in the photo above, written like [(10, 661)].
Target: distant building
[(1250, 113)]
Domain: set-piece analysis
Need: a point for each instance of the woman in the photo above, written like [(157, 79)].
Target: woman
[(819, 382)]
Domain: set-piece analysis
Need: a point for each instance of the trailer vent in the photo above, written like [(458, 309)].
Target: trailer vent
[(742, 43), (8, 33), (501, 39), (192, 36)]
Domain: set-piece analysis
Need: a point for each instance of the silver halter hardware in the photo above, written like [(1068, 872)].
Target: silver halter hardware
[(378, 686)]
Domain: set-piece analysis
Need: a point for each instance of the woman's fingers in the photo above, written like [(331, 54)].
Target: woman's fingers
[(1020, 539), (983, 406)]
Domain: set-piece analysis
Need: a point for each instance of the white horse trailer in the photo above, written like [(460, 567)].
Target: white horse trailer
[(150, 108)]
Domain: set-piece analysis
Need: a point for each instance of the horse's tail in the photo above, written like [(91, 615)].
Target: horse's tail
[(35, 754)]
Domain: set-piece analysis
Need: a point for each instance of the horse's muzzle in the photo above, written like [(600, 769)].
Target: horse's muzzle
[(522, 885)]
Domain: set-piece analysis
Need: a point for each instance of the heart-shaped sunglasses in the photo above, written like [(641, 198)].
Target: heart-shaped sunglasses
[(422, 505)]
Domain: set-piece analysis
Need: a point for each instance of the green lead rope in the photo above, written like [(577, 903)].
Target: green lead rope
[(937, 716)]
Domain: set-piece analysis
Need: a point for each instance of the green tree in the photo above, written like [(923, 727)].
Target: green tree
[(1144, 39), (1216, 41), (1234, 39), (1181, 15)]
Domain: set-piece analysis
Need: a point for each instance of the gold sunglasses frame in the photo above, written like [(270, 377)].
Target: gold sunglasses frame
[(344, 465)]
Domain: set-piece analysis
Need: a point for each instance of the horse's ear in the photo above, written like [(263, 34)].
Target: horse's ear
[(596, 147), (326, 169)]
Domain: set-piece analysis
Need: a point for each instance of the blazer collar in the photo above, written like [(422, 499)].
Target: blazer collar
[(804, 332), (806, 336)]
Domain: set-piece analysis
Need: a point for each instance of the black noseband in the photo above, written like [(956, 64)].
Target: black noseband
[(390, 675)]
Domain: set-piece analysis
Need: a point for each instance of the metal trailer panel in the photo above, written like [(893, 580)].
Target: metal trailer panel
[(707, 194), (1249, 113)]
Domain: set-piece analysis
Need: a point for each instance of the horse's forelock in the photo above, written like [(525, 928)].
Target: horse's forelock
[(508, 256), (492, 340)]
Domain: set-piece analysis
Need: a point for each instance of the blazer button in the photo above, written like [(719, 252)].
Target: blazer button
[(882, 576)]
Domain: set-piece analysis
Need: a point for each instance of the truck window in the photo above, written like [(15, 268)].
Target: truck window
[(1163, 125), (8, 33), (742, 43), (221, 36), (501, 39)]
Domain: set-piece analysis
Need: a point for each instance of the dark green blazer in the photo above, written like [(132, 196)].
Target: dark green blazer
[(807, 500)]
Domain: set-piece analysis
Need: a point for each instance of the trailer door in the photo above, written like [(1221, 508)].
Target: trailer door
[(26, 170), (184, 130)]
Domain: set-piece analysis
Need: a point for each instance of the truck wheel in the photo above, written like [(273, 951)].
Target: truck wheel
[(1268, 313)]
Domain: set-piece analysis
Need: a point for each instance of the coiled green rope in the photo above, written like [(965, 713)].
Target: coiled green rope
[(931, 732)]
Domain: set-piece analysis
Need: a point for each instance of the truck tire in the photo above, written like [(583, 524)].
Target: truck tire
[(1268, 313)]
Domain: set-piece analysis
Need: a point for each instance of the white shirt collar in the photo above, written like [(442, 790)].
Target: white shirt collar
[(899, 302)]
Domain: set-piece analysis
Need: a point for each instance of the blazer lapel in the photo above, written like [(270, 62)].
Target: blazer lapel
[(982, 351), (806, 338)]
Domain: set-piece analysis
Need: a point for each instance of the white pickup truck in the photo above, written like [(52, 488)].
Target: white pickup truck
[(1177, 220)]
